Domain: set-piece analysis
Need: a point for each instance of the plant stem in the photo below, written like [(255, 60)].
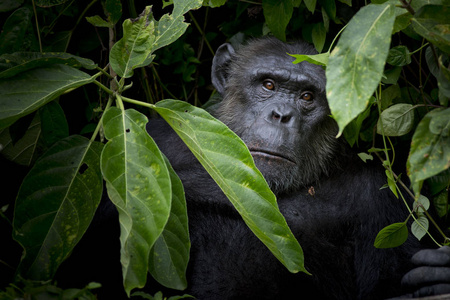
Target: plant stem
[(137, 102), (100, 122), (37, 26)]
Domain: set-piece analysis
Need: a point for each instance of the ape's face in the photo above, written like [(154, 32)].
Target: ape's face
[(280, 111)]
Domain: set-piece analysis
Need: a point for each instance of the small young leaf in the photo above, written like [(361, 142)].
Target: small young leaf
[(143, 36), (397, 120), (317, 59), (97, 21), (310, 5), (420, 226), (229, 162), (365, 157), (423, 202), (399, 56), (392, 236), (391, 183)]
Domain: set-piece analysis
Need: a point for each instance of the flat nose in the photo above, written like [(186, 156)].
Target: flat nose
[(281, 117), (280, 114)]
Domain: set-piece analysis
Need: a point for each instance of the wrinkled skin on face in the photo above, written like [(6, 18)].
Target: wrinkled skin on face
[(279, 109)]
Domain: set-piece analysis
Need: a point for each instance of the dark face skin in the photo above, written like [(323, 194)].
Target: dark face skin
[(280, 111)]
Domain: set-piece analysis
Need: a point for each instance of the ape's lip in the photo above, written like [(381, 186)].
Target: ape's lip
[(270, 154)]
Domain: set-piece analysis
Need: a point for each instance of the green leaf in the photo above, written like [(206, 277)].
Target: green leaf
[(214, 3), (438, 182), (432, 22), (310, 5), (22, 94), (391, 76), (430, 147), (441, 204), (399, 56), (392, 236), (397, 120), (53, 123), (319, 35), (228, 161), (277, 15), (420, 226), (365, 157), (391, 183), (98, 21), (113, 9), (23, 151), (443, 83), (422, 201), (14, 30), (352, 130), (389, 95), (138, 184), (356, 64), (143, 36), (49, 3), (330, 8), (170, 255), (9, 5), (24, 61), (317, 59), (55, 205), (135, 48)]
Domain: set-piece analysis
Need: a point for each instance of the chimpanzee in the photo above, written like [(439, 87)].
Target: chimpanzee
[(331, 199)]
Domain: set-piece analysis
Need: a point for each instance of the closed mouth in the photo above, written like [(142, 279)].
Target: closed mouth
[(270, 155)]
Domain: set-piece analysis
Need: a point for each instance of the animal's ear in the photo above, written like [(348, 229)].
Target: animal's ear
[(219, 67)]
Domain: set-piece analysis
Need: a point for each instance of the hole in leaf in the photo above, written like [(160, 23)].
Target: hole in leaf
[(83, 169), (127, 130)]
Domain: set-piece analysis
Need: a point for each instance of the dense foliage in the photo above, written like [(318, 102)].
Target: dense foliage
[(70, 77)]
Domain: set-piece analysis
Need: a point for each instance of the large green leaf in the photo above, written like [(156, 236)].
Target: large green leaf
[(56, 203), (433, 23), (23, 61), (355, 66), (430, 147), (170, 254), (26, 92), (138, 183), (228, 161), (14, 30), (143, 36)]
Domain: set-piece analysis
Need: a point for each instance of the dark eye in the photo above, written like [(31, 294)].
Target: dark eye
[(268, 84), (307, 96)]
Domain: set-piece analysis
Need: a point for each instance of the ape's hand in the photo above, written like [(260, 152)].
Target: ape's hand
[(432, 274)]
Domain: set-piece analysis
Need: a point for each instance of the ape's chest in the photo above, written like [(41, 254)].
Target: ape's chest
[(228, 261)]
